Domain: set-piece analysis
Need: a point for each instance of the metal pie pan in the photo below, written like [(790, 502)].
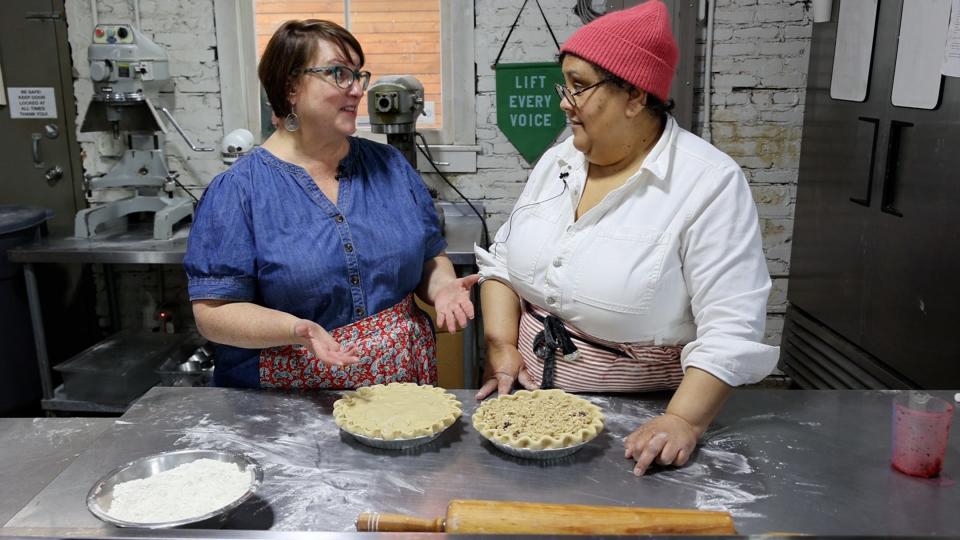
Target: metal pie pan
[(538, 454), (395, 444), (100, 496)]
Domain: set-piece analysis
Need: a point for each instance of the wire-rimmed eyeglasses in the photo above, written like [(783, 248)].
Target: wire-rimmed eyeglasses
[(343, 76), (566, 94)]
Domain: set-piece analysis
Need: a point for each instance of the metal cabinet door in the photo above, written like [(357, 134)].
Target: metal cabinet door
[(41, 157), (836, 187), (912, 314)]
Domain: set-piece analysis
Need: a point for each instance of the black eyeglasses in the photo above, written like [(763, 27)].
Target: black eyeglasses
[(343, 76), (566, 94)]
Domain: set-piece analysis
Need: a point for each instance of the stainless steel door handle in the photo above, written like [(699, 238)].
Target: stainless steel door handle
[(36, 149)]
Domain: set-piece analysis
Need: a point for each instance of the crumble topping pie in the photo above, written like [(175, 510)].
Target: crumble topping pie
[(538, 420)]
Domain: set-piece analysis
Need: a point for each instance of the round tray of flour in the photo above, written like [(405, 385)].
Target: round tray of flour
[(173, 489)]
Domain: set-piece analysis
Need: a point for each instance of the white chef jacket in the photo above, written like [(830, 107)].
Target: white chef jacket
[(672, 257)]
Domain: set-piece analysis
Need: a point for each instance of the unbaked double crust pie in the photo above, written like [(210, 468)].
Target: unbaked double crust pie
[(396, 411), (538, 420)]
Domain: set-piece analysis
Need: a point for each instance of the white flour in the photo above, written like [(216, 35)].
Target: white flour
[(189, 490)]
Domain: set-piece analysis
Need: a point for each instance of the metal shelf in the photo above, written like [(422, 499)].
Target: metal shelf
[(60, 402)]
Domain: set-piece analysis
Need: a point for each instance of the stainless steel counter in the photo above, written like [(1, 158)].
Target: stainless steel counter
[(814, 462), (33, 451)]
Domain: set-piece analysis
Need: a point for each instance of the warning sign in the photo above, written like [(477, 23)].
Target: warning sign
[(32, 102)]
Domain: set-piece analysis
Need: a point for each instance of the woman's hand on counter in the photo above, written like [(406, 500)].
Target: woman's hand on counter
[(509, 369), (312, 336), (667, 440), (453, 305)]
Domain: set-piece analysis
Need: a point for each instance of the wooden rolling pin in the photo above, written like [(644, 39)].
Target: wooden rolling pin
[(514, 517)]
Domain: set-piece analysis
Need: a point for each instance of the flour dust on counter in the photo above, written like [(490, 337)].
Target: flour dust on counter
[(719, 450), (300, 489), (58, 431)]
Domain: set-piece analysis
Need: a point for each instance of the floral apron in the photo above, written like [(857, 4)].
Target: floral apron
[(394, 345)]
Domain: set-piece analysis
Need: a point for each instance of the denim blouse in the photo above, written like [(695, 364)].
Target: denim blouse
[(263, 232)]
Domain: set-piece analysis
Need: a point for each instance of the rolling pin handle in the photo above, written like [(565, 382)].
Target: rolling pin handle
[(377, 522)]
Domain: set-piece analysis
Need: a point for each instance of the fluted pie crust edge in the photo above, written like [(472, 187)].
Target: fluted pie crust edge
[(538, 420), (396, 411)]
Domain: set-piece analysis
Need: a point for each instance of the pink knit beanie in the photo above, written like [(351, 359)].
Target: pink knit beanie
[(634, 44)]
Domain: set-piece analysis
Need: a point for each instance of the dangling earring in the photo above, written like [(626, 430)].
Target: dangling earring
[(291, 122)]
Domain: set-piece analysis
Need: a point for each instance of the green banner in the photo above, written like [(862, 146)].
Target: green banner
[(528, 107)]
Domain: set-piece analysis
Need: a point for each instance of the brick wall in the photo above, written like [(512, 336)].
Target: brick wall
[(759, 77), (760, 57)]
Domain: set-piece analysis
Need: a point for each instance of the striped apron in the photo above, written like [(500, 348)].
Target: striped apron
[(557, 355), (394, 345)]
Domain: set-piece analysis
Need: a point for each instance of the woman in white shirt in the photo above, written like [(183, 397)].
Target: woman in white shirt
[(632, 260)]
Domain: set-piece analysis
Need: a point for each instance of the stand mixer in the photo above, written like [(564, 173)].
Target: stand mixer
[(121, 59)]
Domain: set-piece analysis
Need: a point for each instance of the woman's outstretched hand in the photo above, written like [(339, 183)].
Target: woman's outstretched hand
[(312, 336), (667, 440), (453, 305)]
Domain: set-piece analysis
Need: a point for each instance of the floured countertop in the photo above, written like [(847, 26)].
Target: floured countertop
[(814, 462)]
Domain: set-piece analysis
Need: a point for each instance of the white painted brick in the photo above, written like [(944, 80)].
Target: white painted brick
[(774, 201), (761, 99), (498, 162), (785, 80), (785, 48), (723, 34), (756, 32), (777, 301), (735, 98), (801, 31), (735, 16), (744, 48), (729, 81), (792, 115), (781, 14), (786, 98), (747, 113), (774, 176)]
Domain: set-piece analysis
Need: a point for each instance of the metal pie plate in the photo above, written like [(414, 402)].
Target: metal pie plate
[(539, 454), (395, 444), (100, 495)]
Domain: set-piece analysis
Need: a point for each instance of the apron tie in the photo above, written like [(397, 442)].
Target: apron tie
[(547, 342)]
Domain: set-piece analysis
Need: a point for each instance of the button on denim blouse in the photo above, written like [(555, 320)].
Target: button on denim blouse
[(263, 232)]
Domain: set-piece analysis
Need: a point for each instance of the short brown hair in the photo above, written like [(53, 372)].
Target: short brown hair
[(289, 50)]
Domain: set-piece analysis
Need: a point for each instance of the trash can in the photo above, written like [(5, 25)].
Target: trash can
[(19, 375)]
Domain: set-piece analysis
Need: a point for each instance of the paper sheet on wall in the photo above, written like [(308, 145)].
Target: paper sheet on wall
[(951, 50), (923, 31)]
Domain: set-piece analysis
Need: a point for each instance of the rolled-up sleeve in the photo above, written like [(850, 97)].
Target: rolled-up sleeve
[(220, 261), (492, 264), (727, 279)]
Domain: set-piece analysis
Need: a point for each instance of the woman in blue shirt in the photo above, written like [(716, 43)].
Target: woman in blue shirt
[(304, 256)]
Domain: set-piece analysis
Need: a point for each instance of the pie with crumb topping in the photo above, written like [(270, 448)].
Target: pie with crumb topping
[(396, 411), (538, 420)]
